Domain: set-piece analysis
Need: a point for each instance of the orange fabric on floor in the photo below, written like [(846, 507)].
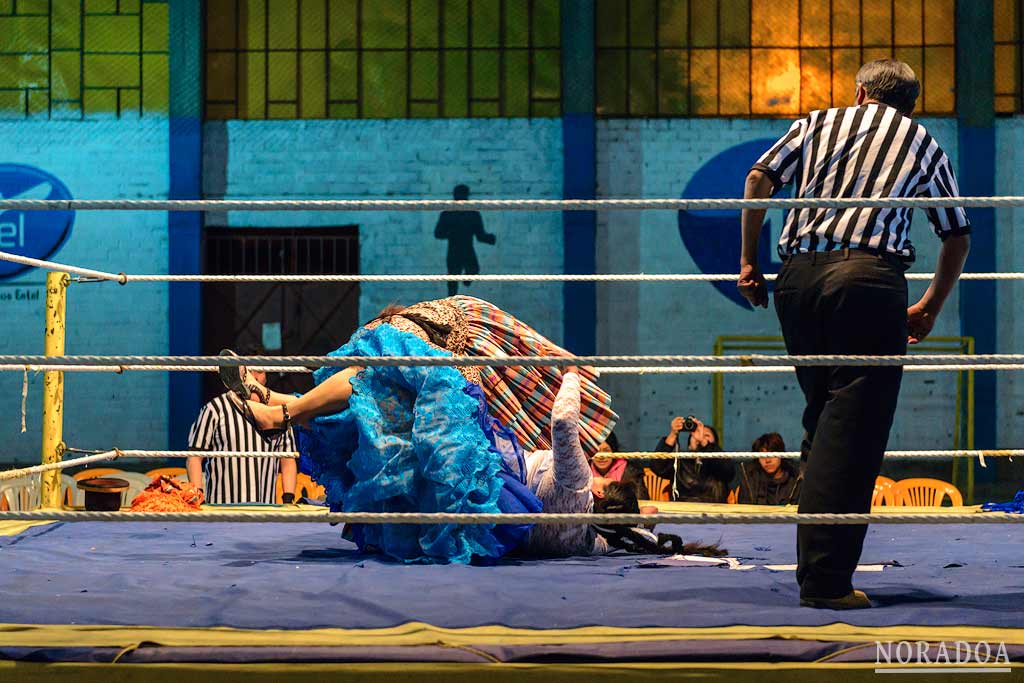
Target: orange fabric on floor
[(167, 494)]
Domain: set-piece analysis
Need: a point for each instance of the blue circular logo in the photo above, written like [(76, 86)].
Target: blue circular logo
[(36, 234), (713, 237)]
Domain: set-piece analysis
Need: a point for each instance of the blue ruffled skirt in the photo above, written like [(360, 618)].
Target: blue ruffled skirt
[(418, 440)]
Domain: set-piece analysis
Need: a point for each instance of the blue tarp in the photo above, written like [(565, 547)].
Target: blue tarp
[(300, 576)]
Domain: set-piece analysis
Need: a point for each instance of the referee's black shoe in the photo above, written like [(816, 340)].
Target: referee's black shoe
[(855, 599)]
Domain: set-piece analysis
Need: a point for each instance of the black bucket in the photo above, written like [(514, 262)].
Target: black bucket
[(103, 495)]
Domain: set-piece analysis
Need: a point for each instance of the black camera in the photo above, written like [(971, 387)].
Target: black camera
[(689, 423)]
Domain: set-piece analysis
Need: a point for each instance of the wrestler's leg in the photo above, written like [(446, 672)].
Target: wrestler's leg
[(565, 488), (330, 396)]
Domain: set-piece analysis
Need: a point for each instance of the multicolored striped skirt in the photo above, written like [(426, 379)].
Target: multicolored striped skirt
[(522, 397)]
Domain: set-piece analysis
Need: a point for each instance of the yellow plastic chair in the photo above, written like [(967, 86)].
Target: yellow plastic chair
[(926, 493), (883, 494), (171, 472), (734, 496), (304, 486), (657, 488), (96, 472)]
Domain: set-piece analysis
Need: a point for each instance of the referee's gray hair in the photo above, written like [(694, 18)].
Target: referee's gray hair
[(891, 82)]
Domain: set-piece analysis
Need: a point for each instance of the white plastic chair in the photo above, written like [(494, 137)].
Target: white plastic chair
[(21, 494), (137, 482), (72, 494)]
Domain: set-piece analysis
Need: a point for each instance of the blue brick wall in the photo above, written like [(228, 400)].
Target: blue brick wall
[(496, 158), (411, 159), (657, 158), (1010, 238), (96, 160)]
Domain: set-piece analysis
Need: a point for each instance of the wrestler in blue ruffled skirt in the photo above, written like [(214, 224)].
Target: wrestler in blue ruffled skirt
[(418, 439)]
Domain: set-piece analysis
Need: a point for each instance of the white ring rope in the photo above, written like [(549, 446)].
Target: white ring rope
[(712, 364), (749, 455), (123, 279), (682, 370), (116, 454), (120, 369), (630, 455), (91, 275), (509, 277), (302, 517), (59, 267), (502, 204)]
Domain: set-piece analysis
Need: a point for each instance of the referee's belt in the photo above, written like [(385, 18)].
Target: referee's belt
[(846, 253)]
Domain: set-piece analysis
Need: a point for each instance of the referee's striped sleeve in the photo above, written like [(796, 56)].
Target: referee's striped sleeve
[(781, 161), (200, 436), (288, 443), (950, 220)]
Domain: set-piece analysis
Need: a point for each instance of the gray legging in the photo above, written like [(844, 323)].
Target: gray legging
[(565, 486)]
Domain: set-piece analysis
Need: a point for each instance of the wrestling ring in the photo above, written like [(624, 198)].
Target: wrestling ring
[(166, 595)]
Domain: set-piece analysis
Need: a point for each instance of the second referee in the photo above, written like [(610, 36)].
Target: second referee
[(842, 290)]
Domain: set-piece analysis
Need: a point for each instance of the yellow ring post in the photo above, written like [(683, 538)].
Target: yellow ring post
[(53, 386)]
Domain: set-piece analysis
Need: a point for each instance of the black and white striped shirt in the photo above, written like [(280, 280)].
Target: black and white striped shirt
[(220, 427), (869, 150)]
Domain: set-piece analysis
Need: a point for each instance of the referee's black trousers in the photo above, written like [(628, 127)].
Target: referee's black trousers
[(841, 302)]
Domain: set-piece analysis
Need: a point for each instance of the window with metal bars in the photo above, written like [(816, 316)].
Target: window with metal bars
[(68, 59), (282, 251), (315, 59), (764, 57)]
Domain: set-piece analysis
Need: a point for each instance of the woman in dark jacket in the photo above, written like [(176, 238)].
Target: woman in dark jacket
[(769, 480)]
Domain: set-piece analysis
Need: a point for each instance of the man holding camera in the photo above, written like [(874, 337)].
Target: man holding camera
[(693, 479)]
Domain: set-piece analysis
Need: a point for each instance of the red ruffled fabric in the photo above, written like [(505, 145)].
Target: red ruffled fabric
[(168, 495)]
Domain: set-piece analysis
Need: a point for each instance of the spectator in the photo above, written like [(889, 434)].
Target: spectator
[(221, 427), (769, 480), (705, 481), (607, 468)]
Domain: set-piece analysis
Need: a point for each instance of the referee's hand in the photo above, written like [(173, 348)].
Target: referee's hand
[(752, 286), (919, 323)]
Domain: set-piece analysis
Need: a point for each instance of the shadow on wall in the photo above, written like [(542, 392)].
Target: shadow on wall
[(461, 228)]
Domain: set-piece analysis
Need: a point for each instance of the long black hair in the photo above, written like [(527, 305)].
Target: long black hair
[(621, 498), (613, 442)]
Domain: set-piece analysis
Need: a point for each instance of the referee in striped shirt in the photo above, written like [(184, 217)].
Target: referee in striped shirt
[(842, 290), (220, 427)]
